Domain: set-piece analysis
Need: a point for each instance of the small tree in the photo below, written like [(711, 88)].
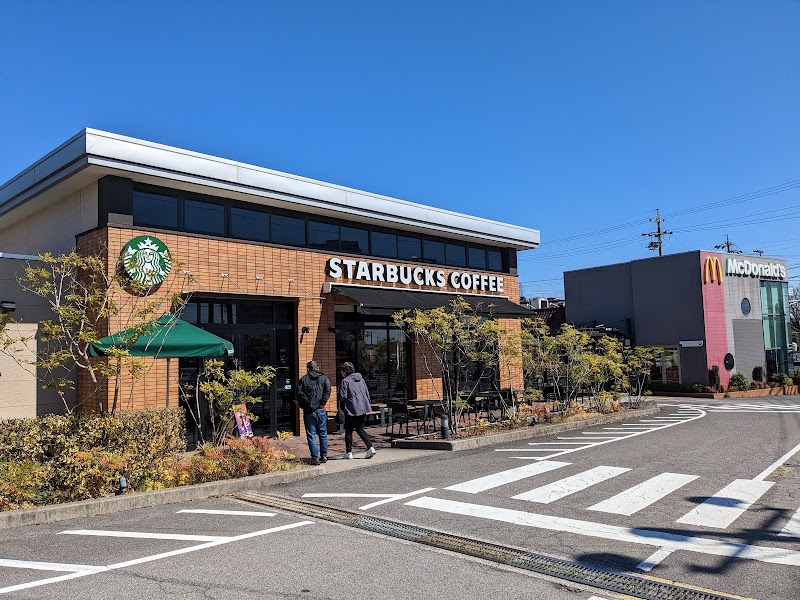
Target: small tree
[(452, 340), (605, 364), (638, 361), (84, 296), (227, 390)]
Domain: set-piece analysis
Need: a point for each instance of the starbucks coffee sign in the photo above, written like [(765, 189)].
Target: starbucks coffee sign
[(363, 270), (147, 260)]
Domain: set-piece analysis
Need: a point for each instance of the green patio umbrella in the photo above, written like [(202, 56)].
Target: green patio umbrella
[(170, 337)]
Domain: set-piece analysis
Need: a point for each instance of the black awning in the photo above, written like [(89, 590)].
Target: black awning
[(384, 301)]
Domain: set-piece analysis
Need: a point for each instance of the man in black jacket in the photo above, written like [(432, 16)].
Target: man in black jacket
[(313, 391)]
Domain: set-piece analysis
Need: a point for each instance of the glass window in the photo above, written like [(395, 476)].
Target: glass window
[(477, 258), (323, 236), (204, 217), (409, 248), (155, 210), (355, 241), (455, 255), (384, 244), (189, 313), (434, 252), (250, 224), (255, 313), (284, 313), (288, 230), (494, 260)]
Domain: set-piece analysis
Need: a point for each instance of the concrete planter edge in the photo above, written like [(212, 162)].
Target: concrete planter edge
[(53, 513), (524, 433)]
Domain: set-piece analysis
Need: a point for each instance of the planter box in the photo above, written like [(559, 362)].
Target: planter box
[(523, 433), (788, 390)]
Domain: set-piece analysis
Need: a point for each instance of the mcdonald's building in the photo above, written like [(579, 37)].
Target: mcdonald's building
[(703, 308), (286, 268)]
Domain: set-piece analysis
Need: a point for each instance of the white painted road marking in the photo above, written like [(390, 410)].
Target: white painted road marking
[(643, 495), (147, 536), (660, 539), (792, 528), (48, 566), (569, 485), (654, 559), (768, 471), (240, 513), (727, 505), (49, 580), (503, 477), (385, 498), (597, 441)]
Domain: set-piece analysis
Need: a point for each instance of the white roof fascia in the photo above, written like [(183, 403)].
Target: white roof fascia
[(134, 156)]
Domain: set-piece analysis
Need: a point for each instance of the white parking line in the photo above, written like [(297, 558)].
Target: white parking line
[(147, 536), (240, 513), (660, 539), (48, 566), (49, 580)]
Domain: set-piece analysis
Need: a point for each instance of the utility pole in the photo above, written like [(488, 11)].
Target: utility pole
[(728, 245), (657, 243)]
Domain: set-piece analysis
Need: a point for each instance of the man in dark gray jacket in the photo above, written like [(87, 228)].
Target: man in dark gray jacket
[(313, 391), (354, 400)]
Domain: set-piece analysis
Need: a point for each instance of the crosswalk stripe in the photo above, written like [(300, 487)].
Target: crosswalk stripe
[(724, 507), (643, 495), (503, 477), (569, 485), (792, 528)]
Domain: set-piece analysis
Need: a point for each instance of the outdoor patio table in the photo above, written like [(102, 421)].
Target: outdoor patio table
[(429, 412), (482, 399)]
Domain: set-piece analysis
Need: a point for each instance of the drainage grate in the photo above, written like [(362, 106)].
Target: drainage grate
[(632, 585)]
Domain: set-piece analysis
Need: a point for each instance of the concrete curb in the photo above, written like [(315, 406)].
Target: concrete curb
[(522, 434), (103, 506)]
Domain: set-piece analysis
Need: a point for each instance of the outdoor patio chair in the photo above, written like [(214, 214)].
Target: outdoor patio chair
[(400, 413)]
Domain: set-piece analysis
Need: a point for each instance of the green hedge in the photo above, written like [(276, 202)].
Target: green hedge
[(60, 458)]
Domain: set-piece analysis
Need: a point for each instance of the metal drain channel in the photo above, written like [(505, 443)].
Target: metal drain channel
[(608, 580)]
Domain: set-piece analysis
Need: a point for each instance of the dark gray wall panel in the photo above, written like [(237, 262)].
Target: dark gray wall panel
[(599, 295), (748, 343), (667, 299)]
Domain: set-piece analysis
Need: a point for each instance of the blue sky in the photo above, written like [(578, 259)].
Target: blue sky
[(575, 118)]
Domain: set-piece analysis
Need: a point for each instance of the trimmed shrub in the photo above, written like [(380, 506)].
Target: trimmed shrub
[(83, 456), (738, 382), (779, 380), (758, 374), (238, 458)]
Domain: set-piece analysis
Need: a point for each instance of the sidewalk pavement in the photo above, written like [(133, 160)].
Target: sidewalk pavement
[(381, 440)]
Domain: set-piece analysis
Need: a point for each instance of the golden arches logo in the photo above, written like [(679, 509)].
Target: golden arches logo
[(712, 270)]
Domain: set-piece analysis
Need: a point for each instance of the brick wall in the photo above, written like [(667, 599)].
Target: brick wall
[(252, 269)]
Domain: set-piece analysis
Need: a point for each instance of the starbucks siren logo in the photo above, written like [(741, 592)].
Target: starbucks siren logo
[(147, 260)]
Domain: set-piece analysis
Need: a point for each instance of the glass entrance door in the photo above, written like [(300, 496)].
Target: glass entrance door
[(271, 347)]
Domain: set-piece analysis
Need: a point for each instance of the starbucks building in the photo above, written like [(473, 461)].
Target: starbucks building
[(286, 268)]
